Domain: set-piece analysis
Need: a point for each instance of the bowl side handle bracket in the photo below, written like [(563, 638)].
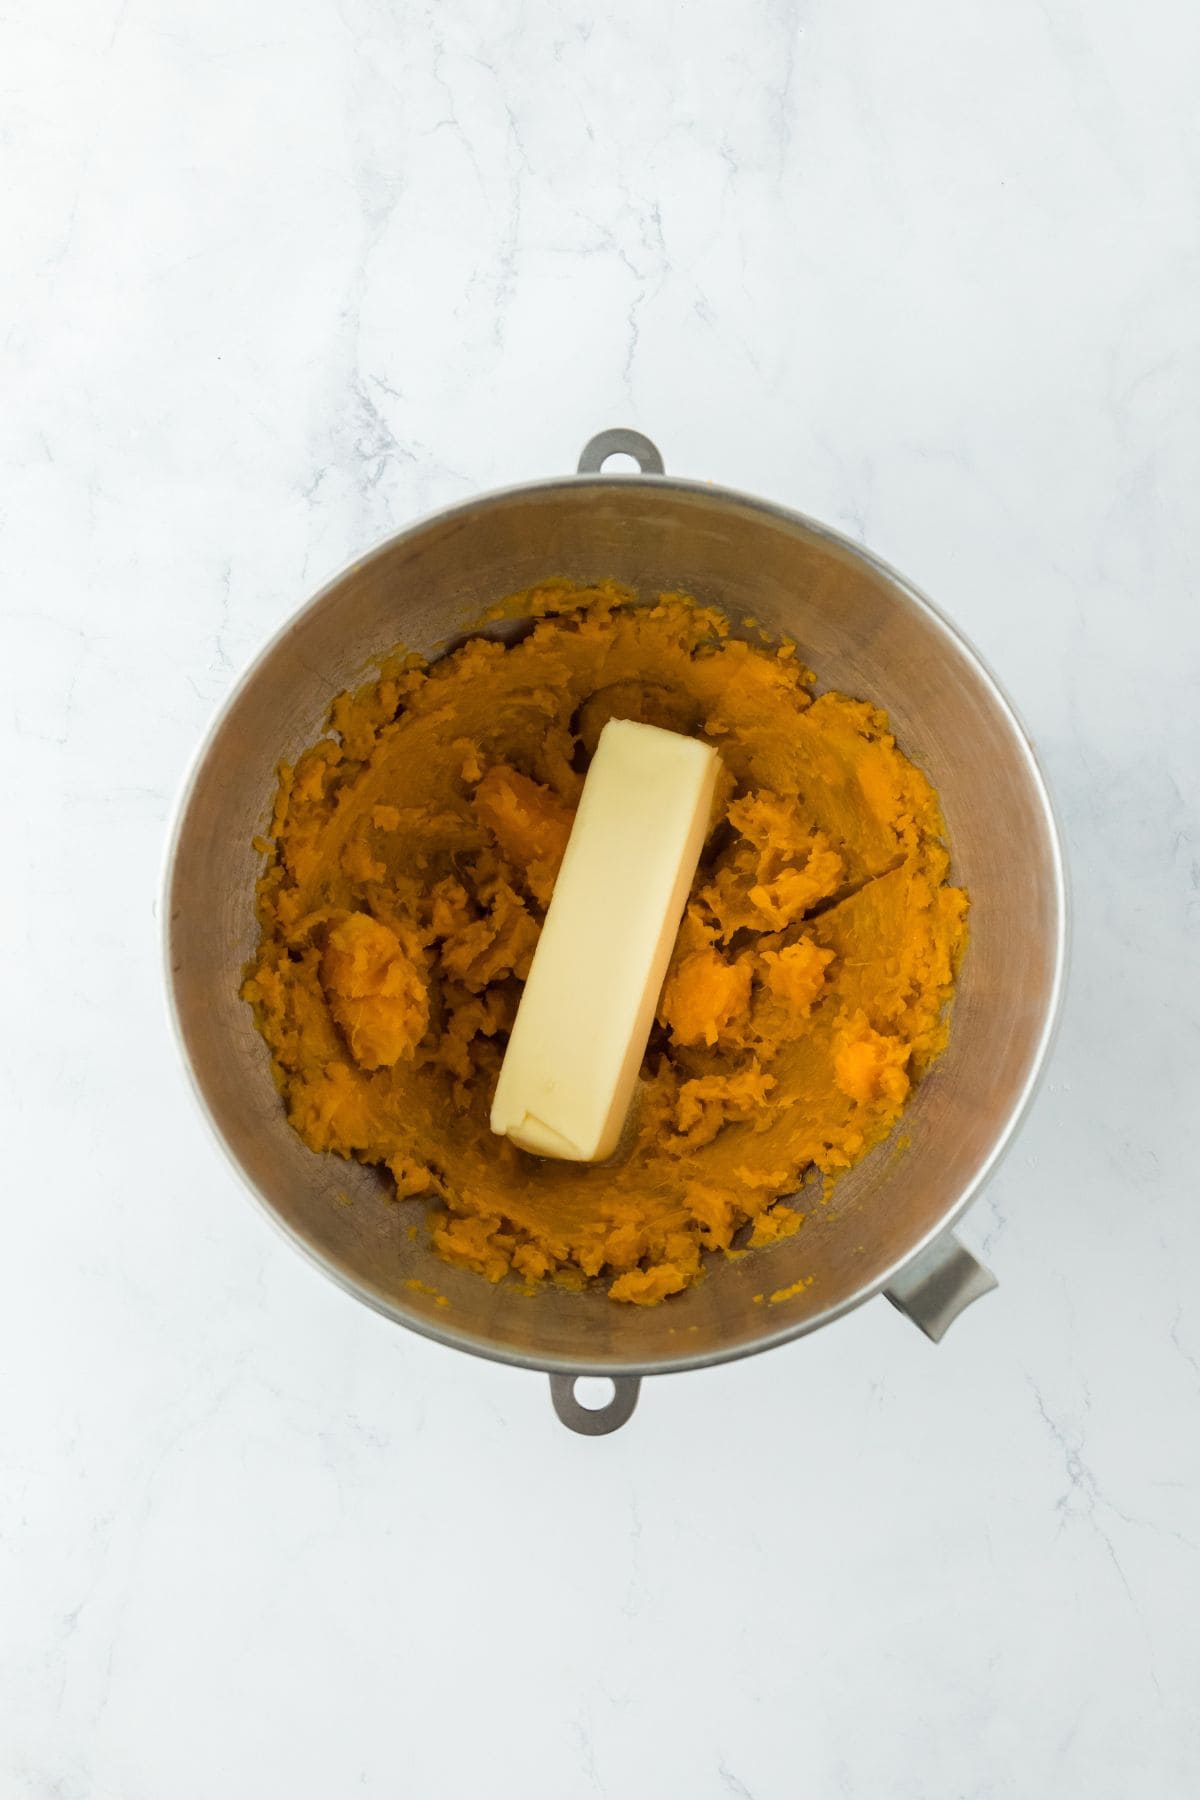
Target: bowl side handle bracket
[(938, 1284)]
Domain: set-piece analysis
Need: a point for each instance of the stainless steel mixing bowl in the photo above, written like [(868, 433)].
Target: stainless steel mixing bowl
[(885, 1227)]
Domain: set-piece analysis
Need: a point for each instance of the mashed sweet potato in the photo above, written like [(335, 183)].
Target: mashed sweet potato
[(411, 857)]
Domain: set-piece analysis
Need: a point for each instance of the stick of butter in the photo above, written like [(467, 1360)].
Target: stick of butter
[(587, 1007)]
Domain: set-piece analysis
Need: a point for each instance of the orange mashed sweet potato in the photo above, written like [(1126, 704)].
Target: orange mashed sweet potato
[(411, 857)]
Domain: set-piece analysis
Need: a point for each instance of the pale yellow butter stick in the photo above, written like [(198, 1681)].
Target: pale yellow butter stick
[(587, 1007)]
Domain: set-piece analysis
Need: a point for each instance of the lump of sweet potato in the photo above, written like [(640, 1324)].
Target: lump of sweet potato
[(795, 974), (376, 991), (413, 853), (529, 822), (704, 995)]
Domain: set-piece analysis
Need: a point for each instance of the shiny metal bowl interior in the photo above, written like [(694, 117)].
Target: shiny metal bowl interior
[(864, 631)]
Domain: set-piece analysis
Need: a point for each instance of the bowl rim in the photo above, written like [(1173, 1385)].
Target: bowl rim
[(476, 1344)]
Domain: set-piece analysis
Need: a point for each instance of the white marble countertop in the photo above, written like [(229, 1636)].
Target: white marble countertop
[(277, 278)]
